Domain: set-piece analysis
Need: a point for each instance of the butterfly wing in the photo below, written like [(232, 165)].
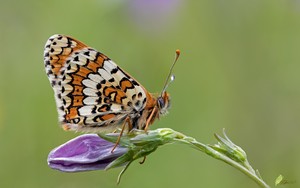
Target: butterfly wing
[(92, 93)]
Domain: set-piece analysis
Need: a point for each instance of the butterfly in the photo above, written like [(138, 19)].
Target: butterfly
[(93, 94)]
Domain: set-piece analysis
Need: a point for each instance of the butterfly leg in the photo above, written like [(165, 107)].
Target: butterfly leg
[(150, 118), (144, 159), (127, 120)]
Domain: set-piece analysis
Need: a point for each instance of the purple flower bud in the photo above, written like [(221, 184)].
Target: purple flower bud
[(84, 153)]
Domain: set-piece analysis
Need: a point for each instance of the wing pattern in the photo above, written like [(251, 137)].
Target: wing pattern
[(92, 93)]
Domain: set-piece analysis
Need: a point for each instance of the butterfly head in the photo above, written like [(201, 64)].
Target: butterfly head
[(163, 103)]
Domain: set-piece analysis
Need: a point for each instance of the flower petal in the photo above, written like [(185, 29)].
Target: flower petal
[(84, 153)]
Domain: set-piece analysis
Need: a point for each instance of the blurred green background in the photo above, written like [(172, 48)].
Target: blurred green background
[(239, 70)]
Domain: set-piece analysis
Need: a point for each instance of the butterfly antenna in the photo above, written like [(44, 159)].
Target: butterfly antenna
[(170, 76)]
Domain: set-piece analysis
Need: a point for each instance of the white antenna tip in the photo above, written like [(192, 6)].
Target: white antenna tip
[(172, 77)]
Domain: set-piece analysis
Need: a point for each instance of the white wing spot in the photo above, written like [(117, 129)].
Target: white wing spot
[(104, 74), (95, 77), (90, 92), (89, 83)]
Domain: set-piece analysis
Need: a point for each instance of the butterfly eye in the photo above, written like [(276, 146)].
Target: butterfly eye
[(160, 102)]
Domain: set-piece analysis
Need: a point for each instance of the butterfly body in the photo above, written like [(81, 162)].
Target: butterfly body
[(93, 94)]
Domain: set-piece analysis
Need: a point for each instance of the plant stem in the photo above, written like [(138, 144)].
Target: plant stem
[(248, 172)]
